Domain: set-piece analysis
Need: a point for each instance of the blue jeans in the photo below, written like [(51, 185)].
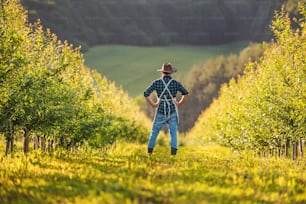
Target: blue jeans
[(159, 122)]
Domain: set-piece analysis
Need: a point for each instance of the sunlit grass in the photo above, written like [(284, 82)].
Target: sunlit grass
[(126, 174)]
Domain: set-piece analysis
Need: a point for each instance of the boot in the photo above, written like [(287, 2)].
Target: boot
[(173, 151), (150, 150)]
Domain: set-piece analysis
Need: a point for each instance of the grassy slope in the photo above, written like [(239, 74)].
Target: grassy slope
[(126, 174), (134, 67)]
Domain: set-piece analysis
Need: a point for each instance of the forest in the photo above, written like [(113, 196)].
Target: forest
[(151, 22)]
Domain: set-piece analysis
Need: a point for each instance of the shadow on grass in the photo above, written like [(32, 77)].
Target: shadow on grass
[(135, 177)]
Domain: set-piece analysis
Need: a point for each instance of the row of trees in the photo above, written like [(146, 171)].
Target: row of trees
[(47, 94), (204, 81), (265, 110)]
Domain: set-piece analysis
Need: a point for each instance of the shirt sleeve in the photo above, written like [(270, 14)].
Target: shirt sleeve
[(182, 89), (149, 90)]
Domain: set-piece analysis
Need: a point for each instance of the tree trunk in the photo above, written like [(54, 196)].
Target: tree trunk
[(7, 146), (26, 140), (301, 148), (50, 145), (12, 136), (43, 143), (12, 145), (294, 150), (36, 142), (287, 144)]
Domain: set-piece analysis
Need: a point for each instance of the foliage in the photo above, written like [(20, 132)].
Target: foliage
[(155, 23), (292, 7), (204, 81), (46, 90), (210, 174), (265, 109)]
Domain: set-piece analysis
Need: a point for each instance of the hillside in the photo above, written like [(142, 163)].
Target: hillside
[(134, 67), (151, 22)]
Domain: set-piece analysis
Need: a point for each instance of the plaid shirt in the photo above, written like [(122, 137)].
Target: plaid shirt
[(173, 87)]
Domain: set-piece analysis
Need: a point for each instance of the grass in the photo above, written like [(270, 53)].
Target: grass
[(134, 67), (126, 174)]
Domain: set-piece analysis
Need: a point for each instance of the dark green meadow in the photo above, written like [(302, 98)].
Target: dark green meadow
[(126, 174)]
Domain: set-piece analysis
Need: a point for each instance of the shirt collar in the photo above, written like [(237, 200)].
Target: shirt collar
[(166, 77)]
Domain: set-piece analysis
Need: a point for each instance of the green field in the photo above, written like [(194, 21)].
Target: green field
[(134, 68), (126, 174)]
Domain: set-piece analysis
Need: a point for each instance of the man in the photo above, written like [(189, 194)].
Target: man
[(166, 105)]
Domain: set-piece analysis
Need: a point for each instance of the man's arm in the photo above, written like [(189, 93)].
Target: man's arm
[(182, 101), (185, 95), (151, 102)]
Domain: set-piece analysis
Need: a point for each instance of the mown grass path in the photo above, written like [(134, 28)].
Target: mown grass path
[(126, 174)]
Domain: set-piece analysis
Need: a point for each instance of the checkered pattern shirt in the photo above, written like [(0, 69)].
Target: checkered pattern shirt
[(159, 86)]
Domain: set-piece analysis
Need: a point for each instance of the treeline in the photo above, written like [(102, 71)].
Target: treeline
[(151, 22), (50, 98), (265, 109)]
